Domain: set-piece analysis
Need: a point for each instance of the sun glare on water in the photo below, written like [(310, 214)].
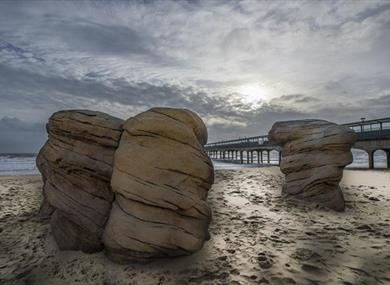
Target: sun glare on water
[(253, 93)]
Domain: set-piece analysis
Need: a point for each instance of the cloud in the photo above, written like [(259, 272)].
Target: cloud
[(294, 99), (383, 101), (19, 136), (11, 52), (86, 36)]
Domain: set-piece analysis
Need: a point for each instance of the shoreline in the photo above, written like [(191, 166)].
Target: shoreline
[(257, 237), (23, 175), (218, 165), (385, 170)]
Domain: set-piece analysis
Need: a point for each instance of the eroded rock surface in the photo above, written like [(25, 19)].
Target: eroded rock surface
[(314, 154), (161, 179), (76, 166)]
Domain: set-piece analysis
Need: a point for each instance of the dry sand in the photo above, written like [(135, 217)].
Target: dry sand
[(257, 238)]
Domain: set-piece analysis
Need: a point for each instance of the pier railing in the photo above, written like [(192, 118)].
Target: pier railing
[(240, 143), (371, 129)]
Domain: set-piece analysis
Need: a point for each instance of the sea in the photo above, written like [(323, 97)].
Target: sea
[(12, 164), (18, 164)]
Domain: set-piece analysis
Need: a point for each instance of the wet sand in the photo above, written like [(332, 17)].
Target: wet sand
[(257, 237)]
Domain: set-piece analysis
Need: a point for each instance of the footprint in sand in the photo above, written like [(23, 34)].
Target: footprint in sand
[(310, 268), (265, 259), (304, 254), (282, 281)]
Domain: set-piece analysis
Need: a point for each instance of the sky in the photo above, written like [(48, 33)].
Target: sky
[(240, 65)]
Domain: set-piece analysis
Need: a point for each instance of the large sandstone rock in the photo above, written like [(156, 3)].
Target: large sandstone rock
[(157, 204), (76, 166), (161, 179), (314, 153)]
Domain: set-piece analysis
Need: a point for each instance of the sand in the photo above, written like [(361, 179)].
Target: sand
[(257, 238)]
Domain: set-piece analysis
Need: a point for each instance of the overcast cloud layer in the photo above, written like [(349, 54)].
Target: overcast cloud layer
[(239, 65)]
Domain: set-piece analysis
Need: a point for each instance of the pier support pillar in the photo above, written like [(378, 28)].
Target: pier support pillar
[(241, 159), (371, 159), (247, 157), (261, 156), (280, 157), (388, 158), (268, 158), (251, 156), (258, 157)]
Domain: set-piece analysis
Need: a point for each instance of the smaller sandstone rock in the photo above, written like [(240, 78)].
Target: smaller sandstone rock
[(314, 154)]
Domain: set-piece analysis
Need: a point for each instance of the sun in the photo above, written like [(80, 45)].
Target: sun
[(253, 93)]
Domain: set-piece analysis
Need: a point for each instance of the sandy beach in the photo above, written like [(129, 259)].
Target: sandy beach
[(257, 237)]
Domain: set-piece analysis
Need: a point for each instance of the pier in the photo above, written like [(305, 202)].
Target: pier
[(373, 135)]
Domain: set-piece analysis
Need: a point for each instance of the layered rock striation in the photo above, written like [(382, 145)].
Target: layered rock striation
[(161, 179), (314, 154), (76, 166)]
